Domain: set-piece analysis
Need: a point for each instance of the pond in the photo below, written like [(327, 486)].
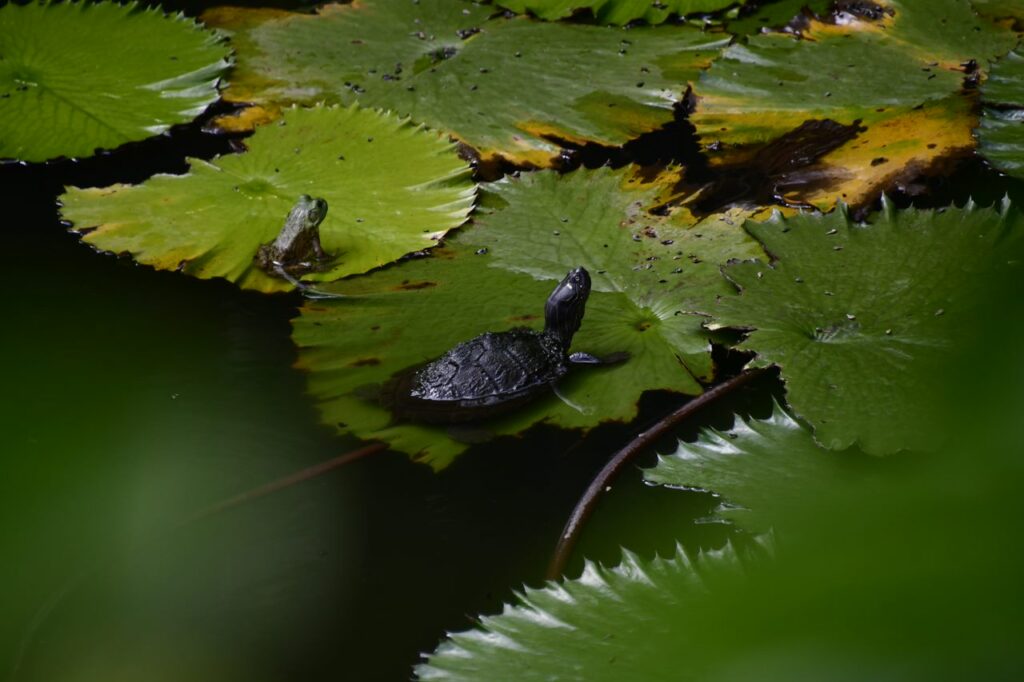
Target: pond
[(176, 500)]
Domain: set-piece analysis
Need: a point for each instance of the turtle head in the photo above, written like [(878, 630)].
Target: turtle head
[(563, 312)]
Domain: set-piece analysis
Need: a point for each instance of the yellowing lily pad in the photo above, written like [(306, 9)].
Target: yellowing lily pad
[(892, 75), (391, 188), (76, 77), (863, 320), (619, 12), (496, 276), (507, 87)]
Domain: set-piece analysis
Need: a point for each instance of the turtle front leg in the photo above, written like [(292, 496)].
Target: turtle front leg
[(588, 359)]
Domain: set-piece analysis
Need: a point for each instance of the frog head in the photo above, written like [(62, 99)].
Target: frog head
[(308, 212)]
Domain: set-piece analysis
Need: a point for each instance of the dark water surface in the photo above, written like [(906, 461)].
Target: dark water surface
[(133, 398)]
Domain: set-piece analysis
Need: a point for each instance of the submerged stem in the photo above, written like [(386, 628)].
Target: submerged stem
[(588, 501), (281, 483)]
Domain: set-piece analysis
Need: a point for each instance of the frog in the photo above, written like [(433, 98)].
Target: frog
[(296, 250)]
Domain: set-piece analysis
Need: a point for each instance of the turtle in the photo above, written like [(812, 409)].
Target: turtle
[(496, 372)]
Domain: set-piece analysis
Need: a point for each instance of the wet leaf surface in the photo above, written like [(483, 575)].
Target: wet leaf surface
[(497, 275), (895, 74), (861, 319), (1001, 134), (69, 88), (506, 87), (391, 188)]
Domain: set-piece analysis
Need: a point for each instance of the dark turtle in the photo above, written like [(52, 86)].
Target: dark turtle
[(499, 371)]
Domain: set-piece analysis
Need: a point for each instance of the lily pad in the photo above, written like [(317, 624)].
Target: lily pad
[(391, 187), (633, 621), (76, 77), (496, 276), (660, 262), (619, 12), (1001, 133), (891, 77), (506, 87), (861, 319), (758, 468)]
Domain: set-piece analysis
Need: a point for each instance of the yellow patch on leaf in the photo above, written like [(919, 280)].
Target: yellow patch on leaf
[(896, 148)]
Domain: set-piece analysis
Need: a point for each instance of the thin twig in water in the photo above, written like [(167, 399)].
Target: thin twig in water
[(282, 483), (585, 507)]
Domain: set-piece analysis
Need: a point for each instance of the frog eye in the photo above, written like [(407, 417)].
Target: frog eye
[(319, 209)]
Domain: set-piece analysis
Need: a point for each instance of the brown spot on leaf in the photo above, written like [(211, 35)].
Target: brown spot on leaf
[(406, 285), (364, 362)]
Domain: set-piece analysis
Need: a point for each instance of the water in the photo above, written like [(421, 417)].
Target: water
[(133, 398)]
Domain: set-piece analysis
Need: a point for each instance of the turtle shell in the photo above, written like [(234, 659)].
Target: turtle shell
[(487, 375)]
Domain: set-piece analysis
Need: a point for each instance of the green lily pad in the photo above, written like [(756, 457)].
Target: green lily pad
[(659, 263), (758, 467), (76, 77), (391, 187), (496, 276), (894, 79), (1001, 134), (630, 622), (618, 12), (508, 87), (861, 319)]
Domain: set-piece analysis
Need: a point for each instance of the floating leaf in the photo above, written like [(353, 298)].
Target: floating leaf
[(886, 79), (759, 467), (76, 77), (861, 318), (618, 12), (1001, 134), (507, 87), (546, 224), (628, 622), (350, 348), (391, 187)]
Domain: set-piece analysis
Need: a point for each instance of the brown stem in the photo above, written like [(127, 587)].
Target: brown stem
[(281, 483), (585, 507)]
